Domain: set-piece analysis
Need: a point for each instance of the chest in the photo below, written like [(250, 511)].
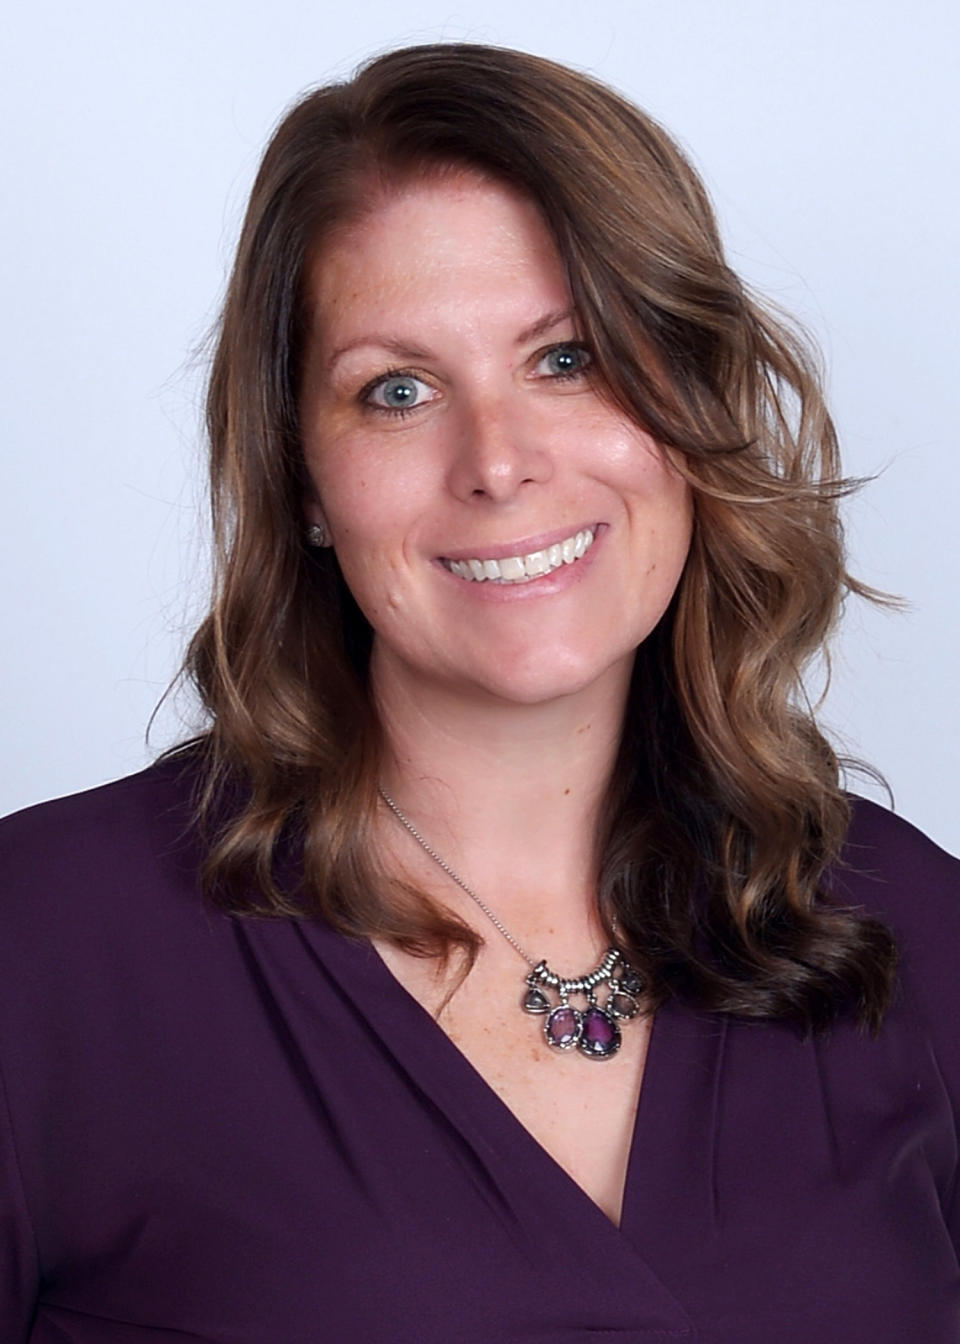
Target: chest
[(581, 1111), (298, 1143)]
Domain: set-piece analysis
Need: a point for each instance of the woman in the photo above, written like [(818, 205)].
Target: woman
[(505, 962)]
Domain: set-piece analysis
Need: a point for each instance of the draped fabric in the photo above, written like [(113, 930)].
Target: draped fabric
[(245, 1131)]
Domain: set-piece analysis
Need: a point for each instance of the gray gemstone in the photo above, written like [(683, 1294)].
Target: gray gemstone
[(535, 1001), (622, 1004), (631, 980)]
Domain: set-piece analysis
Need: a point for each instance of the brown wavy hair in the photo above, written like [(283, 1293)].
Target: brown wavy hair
[(725, 808)]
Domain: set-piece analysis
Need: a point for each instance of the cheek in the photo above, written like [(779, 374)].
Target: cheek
[(370, 479), (673, 523), (355, 492), (676, 505), (371, 506), (661, 504), (645, 474), (370, 571)]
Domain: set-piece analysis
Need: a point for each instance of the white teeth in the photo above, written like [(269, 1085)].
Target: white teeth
[(518, 568)]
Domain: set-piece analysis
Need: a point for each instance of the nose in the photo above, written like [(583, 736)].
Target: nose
[(497, 450)]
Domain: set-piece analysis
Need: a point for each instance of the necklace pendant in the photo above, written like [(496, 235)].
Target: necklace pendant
[(563, 1028), (621, 1004), (599, 1035), (631, 981), (535, 1001), (593, 1030)]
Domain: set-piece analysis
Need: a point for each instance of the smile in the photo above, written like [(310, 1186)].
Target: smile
[(524, 568)]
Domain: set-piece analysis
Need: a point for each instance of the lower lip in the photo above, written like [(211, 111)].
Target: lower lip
[(557, 581)]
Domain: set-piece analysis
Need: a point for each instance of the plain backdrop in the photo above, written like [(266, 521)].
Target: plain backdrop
[(827, 134)]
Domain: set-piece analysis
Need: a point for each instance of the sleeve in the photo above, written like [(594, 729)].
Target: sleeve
[(953, 1217), (914, 886), (931, 976), (935, 975), (71, 874), (19, 1261)]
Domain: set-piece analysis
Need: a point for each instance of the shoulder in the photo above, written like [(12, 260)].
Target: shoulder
[(170, 776), (73, 857), (104, 929), (891, 870), (117, 819), (896, 872)]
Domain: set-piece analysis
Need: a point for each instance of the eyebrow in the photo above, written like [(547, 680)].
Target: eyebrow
[(403, 350), (544, 324)]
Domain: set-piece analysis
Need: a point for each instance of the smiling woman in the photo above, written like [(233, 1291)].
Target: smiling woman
[(443, 512), (527, 528)]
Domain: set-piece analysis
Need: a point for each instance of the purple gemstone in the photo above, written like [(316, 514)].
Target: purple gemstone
[(562, 1027), (600, 1036)]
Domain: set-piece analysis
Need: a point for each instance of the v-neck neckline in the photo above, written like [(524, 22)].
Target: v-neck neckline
[(536, 1184), (451, 1055), (568, 1245)]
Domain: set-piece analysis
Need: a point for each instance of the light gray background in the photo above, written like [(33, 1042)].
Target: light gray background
[(827, 133)]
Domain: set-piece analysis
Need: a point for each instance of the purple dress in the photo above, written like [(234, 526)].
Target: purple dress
[(245, 1131)]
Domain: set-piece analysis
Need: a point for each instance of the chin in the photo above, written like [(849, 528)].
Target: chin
[(542, 684)]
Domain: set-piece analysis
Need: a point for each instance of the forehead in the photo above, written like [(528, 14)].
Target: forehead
[(459, 239)]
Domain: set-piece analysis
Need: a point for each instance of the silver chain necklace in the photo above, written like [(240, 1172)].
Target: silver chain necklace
[(593, 1029)]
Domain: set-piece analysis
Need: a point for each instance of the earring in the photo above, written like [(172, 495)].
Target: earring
[(317, 535)]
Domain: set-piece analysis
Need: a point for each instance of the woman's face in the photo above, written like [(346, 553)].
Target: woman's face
[(506, 532)]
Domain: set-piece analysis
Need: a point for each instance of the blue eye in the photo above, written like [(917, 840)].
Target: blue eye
[(565, 361), (397, 392)]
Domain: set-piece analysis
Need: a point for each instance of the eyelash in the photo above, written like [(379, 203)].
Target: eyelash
[(399, 412), (393, 411), (580, 349)]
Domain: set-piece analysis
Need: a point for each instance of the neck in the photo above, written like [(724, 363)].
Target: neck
[(509, 795)]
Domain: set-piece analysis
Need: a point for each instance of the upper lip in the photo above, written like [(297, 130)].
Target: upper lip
[(525, 546)]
